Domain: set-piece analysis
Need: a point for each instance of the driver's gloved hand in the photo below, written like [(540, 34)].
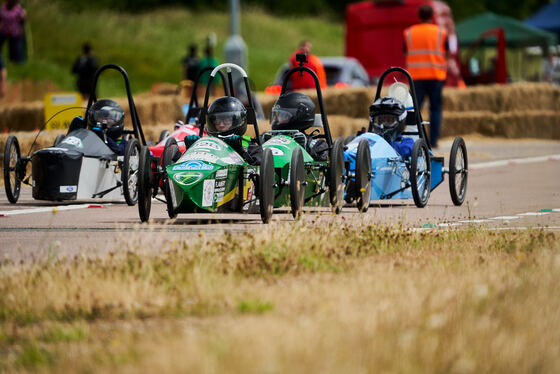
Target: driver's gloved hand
[(190, 139), (234, 141)]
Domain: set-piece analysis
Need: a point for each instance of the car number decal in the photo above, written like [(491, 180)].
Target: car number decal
[(208, 192)]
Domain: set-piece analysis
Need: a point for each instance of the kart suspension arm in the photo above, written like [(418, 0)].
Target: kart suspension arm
[(103, 193)]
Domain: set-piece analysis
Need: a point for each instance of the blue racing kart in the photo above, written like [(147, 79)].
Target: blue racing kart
[(376, 171)]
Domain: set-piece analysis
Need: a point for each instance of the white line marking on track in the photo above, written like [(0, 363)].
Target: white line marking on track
[(514, 161), (533, 214), (52, 209), (505, 217)]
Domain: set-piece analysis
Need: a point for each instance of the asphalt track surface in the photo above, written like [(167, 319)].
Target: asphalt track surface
[(512, 185)]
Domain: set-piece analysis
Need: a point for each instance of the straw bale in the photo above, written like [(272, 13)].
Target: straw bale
[(22, 116), (544, 124)]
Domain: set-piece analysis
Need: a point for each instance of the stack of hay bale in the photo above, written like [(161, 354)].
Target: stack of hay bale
[(513, 111)]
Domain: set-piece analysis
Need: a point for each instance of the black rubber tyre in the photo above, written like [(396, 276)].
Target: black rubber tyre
[(297, 182), (348, 139), (164, 134), (458, 171), (266, 185), (363, 176), (420, 173), (336, 175), (167, 159), (58, 139), (12, 169), (129, 174), (144, 184)]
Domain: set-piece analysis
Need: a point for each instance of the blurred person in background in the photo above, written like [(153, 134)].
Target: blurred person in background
[(427, 51), (3, 77), (190, 64), (208, 61), (12, 21), (551, 67), (300, 81), (85, 67)]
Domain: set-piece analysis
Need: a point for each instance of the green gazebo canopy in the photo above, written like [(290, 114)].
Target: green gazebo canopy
[(517, 33)]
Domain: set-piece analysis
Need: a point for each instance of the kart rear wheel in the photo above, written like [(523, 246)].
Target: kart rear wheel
[(144, 183), (58, 139), (266, 185), (336, 175), (130, 171), (13, 173), (167, 159), (458, 171), (163, 134), (363, 176), (420, 173), (297, 182)]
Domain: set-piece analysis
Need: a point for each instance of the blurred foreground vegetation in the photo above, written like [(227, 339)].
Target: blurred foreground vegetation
[(327, 294)]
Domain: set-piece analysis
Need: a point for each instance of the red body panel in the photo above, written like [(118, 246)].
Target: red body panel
[(179, 134)]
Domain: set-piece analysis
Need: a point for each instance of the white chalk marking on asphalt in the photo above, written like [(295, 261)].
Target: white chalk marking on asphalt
[(52, 209), (475, 221), (513, 161), (448, 224), (505, 217), (533, 214)]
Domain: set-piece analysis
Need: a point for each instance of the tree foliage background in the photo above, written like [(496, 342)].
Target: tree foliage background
[(330, 8)]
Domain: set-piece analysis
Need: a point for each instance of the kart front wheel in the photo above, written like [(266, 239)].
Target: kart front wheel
[(144, 183), (163, 134), (130, 171), (266, 185), (458, 171), (420, 173), (336, 175), (12, 169), (363, 176), (166, 160), (297, 182)]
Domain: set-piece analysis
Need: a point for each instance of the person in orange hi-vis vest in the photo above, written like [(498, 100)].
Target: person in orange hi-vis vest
[(427, 49), (313, 62)]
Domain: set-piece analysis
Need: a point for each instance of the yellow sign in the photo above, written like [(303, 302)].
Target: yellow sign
[(64, 106)]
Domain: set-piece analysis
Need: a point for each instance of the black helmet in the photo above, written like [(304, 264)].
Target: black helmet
[(387, 116), (226, 116), (293, 111), (107, 115)]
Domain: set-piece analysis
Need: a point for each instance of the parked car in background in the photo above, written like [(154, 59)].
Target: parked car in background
[(341, 72)]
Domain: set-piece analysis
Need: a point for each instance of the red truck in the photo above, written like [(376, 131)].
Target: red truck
[(374, 33)]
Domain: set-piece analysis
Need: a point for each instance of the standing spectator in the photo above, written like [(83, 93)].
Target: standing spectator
[(208, 61), (3, 77), (551, 68), (313, 62), (85, 67), (190, 64), (12, 19), (427, 49)]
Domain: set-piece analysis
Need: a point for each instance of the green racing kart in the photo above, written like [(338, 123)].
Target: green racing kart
[(301, 180), (210, 176)]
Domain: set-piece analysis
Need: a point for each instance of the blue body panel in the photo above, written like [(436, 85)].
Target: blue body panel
[(389, 171)]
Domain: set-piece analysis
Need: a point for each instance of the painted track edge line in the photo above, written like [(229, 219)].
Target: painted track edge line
[(514, 161)]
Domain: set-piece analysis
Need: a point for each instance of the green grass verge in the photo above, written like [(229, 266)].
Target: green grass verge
[(150, 45)]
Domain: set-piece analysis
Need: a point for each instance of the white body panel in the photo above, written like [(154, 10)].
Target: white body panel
[(99, 175)]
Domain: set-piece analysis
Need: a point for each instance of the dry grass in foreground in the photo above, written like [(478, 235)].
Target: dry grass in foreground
[(328, 296)]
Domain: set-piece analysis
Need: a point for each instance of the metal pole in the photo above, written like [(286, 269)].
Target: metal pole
[(235, 49)]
